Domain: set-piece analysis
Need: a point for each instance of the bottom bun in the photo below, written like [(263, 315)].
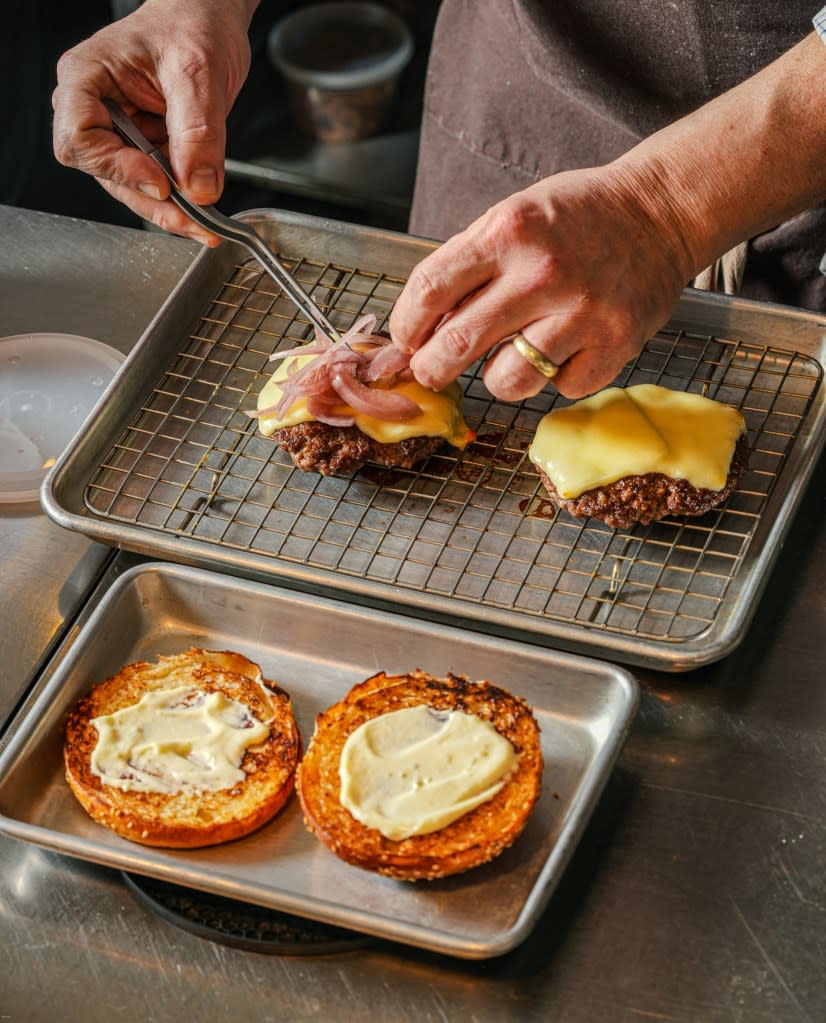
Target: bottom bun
[(471, 840), (188, 818)]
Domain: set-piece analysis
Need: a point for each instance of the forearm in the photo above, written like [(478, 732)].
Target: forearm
[(739, 165)]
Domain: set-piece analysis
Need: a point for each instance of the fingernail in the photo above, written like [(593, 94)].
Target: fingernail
[(149, 189), (422, 376), (204, 180)]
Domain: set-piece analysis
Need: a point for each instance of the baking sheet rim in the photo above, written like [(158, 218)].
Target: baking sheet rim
[(672, 654)]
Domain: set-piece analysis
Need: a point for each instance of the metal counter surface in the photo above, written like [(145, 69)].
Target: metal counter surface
[(698, 892), (68, 277)]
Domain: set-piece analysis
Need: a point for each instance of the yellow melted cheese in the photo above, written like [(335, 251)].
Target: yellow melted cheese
[(175, 739), (632, 431), (441, 414), (416, 770)]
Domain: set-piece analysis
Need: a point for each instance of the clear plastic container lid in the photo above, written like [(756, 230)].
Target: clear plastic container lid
[(49, 383), (340, 46)]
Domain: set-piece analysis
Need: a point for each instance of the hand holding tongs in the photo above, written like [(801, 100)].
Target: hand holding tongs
[(225, 227)]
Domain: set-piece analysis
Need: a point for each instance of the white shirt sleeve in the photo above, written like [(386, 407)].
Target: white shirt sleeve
[(819, 22)]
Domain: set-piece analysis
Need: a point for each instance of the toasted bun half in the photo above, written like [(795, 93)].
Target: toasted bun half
[(470, 841), (188, 818)]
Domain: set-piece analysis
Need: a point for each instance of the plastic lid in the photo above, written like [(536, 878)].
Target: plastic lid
[(340, 46), (49, 383)]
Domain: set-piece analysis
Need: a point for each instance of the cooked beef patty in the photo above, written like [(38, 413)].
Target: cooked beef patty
[(318, 447), (650, 497)]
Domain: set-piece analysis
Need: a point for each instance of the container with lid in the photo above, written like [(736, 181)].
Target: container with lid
[(49, 384), (341, 63)]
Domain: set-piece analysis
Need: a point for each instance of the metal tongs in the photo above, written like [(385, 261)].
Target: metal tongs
[(225, 227)]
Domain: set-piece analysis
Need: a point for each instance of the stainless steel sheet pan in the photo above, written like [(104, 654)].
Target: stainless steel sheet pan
[(171, 466), (317, 648)]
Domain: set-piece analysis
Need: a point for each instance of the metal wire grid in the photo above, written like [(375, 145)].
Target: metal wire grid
[(471, 526)]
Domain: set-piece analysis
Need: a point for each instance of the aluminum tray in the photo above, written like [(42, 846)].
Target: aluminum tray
[(317, 648), (170, 466)]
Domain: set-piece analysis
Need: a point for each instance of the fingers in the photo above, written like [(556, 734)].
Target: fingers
[(163, 214), (437, 286), (132, 177), (176, 74), (586, 358), (487, 317), (573, 263), (588, 339), (590, 342), (463, 337), (83, 136), (196, 126), (84, 139)]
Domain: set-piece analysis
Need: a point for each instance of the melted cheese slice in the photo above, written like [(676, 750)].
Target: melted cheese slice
[(441, 414), (416, 770), (175, 739), (632, 431)]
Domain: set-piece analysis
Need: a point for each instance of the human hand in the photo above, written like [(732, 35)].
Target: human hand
[(582, 264), (176, 67)]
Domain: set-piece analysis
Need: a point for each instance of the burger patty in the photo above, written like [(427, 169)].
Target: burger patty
[(318, 447), (647, 498)]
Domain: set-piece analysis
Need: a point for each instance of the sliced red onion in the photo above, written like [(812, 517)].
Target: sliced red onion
[(318, 374), (363, 325), (339, 372), (329, 412), (373, 401), (313, 349), (387, 362)]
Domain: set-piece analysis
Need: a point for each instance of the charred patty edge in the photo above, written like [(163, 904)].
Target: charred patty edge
[(650, 497), (328, 450)]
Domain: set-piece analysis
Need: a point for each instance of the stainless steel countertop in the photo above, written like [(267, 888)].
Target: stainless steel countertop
[(697, 893), (68, 277)]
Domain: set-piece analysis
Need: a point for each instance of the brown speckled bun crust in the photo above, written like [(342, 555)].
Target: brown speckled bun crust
[(187, 819), (473, 839), (645, 499)]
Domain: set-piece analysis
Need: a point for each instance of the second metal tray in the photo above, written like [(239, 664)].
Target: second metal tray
[(171, 466), (317, 648)]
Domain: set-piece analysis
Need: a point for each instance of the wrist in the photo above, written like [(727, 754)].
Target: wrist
[(741, 164), (241, 10), (247, 8), (643, 191)]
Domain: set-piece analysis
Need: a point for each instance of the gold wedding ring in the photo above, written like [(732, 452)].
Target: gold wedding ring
[(533, 356)]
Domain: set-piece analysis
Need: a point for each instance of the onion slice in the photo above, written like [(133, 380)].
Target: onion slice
[(387, 361), (329, 412), (364, 325), (373, 401), (357, 369)]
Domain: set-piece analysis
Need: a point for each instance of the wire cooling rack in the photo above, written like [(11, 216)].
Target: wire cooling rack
[(468, 531)]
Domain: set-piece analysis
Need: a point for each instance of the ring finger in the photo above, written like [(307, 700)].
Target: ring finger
[(481, 321), (511, 374)]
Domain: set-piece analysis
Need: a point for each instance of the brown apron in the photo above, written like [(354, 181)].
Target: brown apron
[(520, 89)]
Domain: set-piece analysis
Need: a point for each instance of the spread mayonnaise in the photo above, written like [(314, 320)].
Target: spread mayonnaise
[(175, 739), (441, 414), (634, 431), (416, 770)]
